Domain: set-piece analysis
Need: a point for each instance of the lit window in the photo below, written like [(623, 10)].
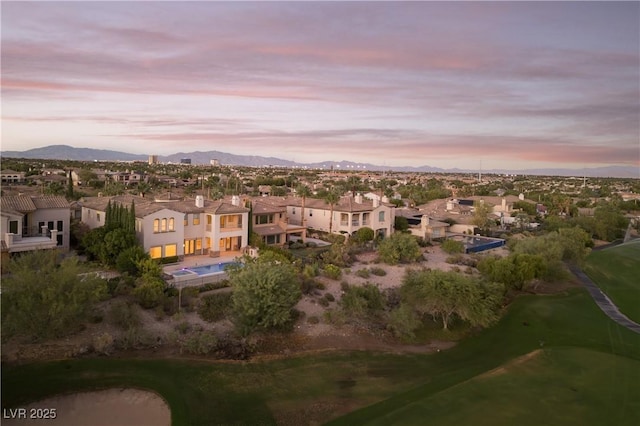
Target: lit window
[(163, 226), (170, 250), (155, 252), (171, 225), (196, 218), (156, 225), (186, 220)]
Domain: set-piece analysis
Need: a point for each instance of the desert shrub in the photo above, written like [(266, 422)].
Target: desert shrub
[(332, 271), (452, 246), (124, 315), (200, 343), (362, 301), (311, 270), (215, 307), (183, 327), (403, 322), (329, 297), (335, 317), (344, 286), (363, 235), (134, 338), (323, 302), (399, 248), (313, 319), (103, 343), (363, 273), (376, 270)]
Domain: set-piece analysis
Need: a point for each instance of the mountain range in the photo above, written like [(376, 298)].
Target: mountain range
[(65, 152)]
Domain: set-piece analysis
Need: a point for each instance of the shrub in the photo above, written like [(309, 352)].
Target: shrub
[(363, 235), (124, 315), (215, 307), (452, 246), (332, 271), (169, 259), (323, 302), (329, 297), (103, 343), (183, 327), (399, 248), (363, 273), (313, 320), (376, 270), (311, 270), (201, 343), (361, 301), (403, 322)]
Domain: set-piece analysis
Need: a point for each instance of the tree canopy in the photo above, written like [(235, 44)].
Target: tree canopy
[(41, 299), (399, 248)]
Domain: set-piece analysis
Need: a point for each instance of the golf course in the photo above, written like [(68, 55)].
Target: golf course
[(552, 359)]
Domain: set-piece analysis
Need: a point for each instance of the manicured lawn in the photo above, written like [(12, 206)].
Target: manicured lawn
[(553, 324), (582, 349), (616, 270)]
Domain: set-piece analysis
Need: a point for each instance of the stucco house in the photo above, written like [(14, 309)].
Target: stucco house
[(167, 228), (349, 215), (271, 223), (34, 222)]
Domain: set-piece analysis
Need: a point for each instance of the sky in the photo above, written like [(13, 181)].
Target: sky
[(448, 84)]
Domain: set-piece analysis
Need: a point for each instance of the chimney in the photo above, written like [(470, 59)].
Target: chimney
[(504, 204), (424, 221), (376, 202), (358, 198), (385, 199), (235, 200), (199, 201)]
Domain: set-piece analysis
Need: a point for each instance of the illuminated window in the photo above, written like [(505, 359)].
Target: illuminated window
[(196, 218), (207, 242), (155, 252), (170, 250), (156, 225), (186, 220), (163, 225), (171, 225)]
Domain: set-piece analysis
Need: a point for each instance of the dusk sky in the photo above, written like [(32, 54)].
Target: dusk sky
[(509, 84)]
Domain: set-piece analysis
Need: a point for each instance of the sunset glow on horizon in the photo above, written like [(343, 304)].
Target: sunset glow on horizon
[(447, 84)]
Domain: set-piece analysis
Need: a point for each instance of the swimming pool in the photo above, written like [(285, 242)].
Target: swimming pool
[(204, 270)]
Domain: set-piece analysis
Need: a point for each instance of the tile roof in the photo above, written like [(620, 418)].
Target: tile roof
[(18, 203), (51, 202)]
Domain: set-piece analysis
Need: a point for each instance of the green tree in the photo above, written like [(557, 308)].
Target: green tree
[(450, 295), (149, 290), (41, 299), (363, 235), (303, 191), (401, 224), (265, 290), (481, 215), (399, 248), (331, 197)]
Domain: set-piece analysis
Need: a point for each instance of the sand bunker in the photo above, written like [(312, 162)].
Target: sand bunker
[(111, 407)]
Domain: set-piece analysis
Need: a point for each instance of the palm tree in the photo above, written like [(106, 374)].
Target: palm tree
[(303, 191), (332, 198)]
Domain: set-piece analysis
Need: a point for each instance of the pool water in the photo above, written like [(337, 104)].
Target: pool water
[(203, 270)]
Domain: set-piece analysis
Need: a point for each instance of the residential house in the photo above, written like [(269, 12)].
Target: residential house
[(167, 228), (12, 177), (349, 215), (34, 222), (271, 223)]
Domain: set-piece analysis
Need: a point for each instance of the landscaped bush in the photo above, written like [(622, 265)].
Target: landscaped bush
[(169, 259), (399, 248), (376, 270), (215, 307), (363, 273), (213, 286), (452, 246), (311, 270), (332, 271)]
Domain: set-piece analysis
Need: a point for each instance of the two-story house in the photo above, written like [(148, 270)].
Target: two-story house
[(167, 228), (34, 222), (349, 215), (271, 223)]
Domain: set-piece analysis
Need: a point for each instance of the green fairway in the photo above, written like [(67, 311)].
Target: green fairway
[(616, 271), (581, 349)]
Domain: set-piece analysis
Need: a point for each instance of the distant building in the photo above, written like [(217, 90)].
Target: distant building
[(215, 162), (185, 161), (153, 159)]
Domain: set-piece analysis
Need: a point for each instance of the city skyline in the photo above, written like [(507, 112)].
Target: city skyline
[(514, 85)]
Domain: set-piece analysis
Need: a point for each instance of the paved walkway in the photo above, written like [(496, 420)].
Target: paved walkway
[(603, 301)]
